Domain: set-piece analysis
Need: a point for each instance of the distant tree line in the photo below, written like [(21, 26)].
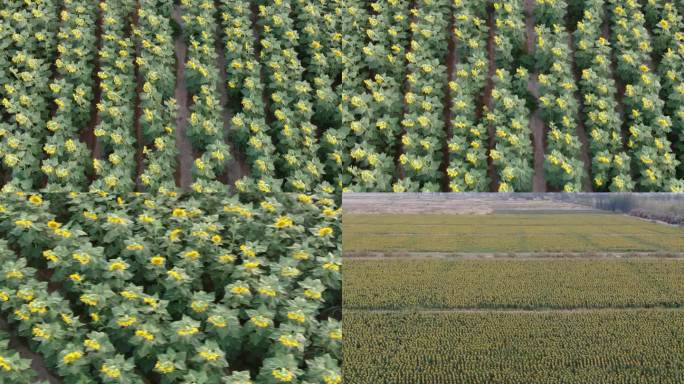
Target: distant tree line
[(668, 207)]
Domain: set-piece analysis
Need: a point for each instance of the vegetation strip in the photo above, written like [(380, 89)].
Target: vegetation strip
[(560, 283), (613, 347)]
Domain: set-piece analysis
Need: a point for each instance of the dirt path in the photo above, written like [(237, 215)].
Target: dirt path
[(517, 311), (375, 255), (236, 167), (186, 156), (537, 126)]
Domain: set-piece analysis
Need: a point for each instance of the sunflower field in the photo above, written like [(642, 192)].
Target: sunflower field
[(341, 95), (512, 96), (171, 288), (641, 347), (156, 95)]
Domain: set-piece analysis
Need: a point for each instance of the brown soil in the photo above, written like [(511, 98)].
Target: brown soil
[(537, 126), (186, 154)]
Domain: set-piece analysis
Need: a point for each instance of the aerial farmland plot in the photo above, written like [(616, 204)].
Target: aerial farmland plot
[(383, 95), (514, 95), (515, 289), (155, 95)]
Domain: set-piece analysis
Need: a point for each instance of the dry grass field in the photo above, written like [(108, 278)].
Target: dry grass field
[(528, 231)]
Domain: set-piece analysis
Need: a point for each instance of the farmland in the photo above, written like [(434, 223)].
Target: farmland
[(599, 347), (539, 231), (154, 95), (357, 95), (566, 283), (495, 288), (523, 95), (170, 288)]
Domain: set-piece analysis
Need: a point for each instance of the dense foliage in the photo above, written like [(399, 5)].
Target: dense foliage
[(562, 283), (513, 73), (201, 289), (612, 347), (304, 96)]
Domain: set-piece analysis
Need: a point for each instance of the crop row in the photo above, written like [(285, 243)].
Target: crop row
[(28, 36)]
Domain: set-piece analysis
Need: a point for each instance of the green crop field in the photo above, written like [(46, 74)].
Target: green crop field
[(507, 283), (640, 346), (594, 312), (506, 232)]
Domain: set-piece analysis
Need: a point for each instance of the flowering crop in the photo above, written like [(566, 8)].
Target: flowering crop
[(473, 233), (467, 169), (488, 135), (610, 163), (560, 283), (206, 122), (649, 147), (336, 141), (558, 104), (666, 23), (423, 126), (508, 113), (27, 30), (344, 95), (66, 156), (372, 106), (114, 130), (544, 347), (246, 87), (157, 106), (182, 288), (289, 94), (512, 154)]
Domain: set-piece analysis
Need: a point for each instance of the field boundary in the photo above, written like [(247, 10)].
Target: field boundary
[(510, 255), (516, 310)]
